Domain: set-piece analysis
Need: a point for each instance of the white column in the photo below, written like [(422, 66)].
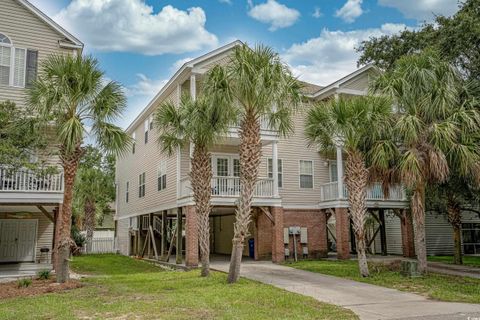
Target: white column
[(275, 168), (340, 171), (193, 87), (179, 159)]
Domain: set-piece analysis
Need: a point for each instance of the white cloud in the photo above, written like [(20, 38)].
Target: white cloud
[(317, 13), (422, 9), (145, 86), (332, 55), (274, 13), (133, 26), (350, 11), (225, 1)]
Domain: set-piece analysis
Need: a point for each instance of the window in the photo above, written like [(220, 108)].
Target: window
[(127, 187), (18, 67), (141, 185), (222, 167), (333, 171), (306, 174), (162, 176), (133, 144), (236, 167), (471, 238), (151, 122), (280, 171), (134, 223), (147, 126)]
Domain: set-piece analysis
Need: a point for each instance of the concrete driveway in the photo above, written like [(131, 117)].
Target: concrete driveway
[(369, 302)]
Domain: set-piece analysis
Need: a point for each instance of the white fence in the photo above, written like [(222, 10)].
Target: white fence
[(24, 180), (102, 242)]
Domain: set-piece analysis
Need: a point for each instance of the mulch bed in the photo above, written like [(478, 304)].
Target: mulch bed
[(11, 289)]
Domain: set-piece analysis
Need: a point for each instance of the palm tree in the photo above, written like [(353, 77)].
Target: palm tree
[(353, 124), (201, 122), (433, 131), (258, 85), (71, 96)]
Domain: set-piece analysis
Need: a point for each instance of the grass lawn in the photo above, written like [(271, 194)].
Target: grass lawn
[(123, 288), (467, 260), (436, 286)]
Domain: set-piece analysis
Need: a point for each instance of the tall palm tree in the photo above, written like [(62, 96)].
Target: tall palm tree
[(71, 97), (433, 131), (258, 85), (201, 122), (93, 191), (353, 124)]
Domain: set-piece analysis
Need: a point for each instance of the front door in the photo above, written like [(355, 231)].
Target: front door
[(226, 170), (17, 240)]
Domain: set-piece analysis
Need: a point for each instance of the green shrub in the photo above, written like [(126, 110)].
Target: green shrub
[(24, 283), (44, 274)]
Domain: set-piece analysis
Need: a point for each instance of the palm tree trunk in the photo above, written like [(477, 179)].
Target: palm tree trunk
[(418, 211), (250, 156), (89, 223), (356, 175), (201, 177), (70, 166), (455, 219)]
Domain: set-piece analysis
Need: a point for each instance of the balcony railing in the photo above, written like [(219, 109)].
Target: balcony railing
[(23, 180), (229, 187), (264, 124), (329, 192)]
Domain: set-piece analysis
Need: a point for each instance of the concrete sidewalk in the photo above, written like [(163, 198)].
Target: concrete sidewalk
[(367, 301)]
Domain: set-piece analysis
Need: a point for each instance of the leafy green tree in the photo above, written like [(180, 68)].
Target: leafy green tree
[(202, 122), (457, 38), (20, 141), (353, 124), (94, 190), (259, 86), (434, 131), (70, 96)]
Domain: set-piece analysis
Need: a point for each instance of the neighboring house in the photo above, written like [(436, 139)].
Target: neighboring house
[(28, 203), (298, 192)]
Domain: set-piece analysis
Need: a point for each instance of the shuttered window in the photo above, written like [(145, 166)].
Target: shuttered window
[(32, 67), (19, 67), (162, 176), (5, 62)]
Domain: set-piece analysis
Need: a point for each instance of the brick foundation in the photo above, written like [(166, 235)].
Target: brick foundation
[(315, 222), (191, 237), (342, 228), (263, 237)]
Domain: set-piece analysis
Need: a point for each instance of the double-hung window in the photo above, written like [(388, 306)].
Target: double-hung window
[(18, 66), (147, 127), (306, 174), (133, 143), (141, 185), (127, 190), (162, 176), (280, 171)]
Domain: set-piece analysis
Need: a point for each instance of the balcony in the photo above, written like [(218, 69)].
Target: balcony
[(26, 186), (227, 189), (329, 194), (266, 132)]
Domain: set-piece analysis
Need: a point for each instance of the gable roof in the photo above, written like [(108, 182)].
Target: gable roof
[(338, 83), (187, 66), (75, 43)]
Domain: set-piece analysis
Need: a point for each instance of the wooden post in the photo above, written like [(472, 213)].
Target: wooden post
[(383, 232), (139, 236), (149, 237), (179, 239), (163, 245)]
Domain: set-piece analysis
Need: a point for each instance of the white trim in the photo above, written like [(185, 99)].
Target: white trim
[(188, 65), (313, 174), (78, 44), (167, 206), (300, 207), (338, 83)]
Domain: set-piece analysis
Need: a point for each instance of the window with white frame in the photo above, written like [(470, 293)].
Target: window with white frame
[(133, 223), (280, 170), (18, 66), (141, 185), (333, 171), (127, 190), (147, 127), (162, 176), (151, 122), (133, 143), (306, 174)]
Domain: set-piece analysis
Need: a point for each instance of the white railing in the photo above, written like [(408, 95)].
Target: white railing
[(157, 224), (264, 124), (24, 180), (229, 187), (329, 191), (100, 245)]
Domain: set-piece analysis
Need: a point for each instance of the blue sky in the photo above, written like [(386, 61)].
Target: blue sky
[(141, 43)]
